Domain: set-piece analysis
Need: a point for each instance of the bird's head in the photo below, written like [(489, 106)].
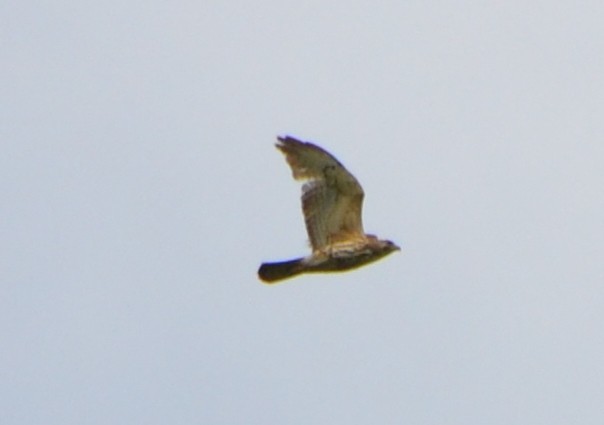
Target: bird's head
[(389, 246), (382, 246)]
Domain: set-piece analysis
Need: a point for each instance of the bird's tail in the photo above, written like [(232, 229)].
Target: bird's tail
[(274, 272)]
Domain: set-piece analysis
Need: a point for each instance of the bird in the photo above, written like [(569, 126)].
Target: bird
[(332, 203)]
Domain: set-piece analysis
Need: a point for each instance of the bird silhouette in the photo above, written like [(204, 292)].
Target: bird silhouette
[(332, 203)]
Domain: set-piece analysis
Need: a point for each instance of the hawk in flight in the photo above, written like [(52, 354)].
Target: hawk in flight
[(332, 202)]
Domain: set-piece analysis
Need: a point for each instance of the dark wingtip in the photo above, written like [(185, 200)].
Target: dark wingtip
[(290, 140)]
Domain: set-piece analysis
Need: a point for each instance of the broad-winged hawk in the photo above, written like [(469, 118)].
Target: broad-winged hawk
[(332, 202)]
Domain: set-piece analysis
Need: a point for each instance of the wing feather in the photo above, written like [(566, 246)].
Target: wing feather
[(332, 198)]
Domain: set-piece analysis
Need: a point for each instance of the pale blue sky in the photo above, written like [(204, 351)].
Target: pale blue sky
[(141, 190)]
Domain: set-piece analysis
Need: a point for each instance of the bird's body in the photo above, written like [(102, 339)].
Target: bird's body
[(332, 201)]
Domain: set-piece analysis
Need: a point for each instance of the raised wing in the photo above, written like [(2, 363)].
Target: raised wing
[(332, 199)]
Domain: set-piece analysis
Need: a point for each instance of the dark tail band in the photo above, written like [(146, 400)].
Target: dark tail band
[(274, 272)]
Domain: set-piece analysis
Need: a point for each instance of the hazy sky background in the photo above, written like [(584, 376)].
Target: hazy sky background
[(141, 190)]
